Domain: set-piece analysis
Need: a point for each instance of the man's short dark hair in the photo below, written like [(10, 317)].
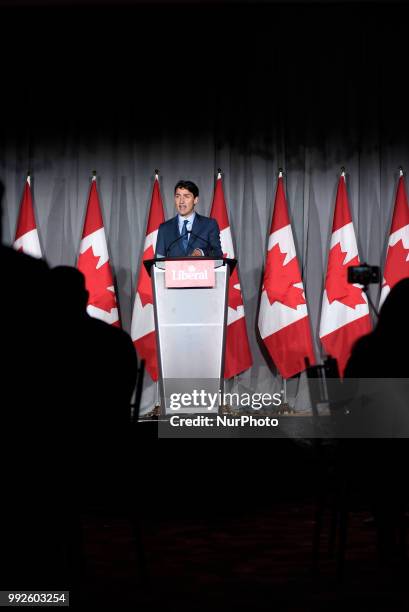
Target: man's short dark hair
[(189, 185)]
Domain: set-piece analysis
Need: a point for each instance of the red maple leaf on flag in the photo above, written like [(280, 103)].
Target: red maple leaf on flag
[(279, 279), (144, 285), (397, 267), (97, 280), (235, 297), (336, 284)]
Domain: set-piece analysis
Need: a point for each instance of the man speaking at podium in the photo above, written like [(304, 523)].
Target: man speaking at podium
[(188, 234)]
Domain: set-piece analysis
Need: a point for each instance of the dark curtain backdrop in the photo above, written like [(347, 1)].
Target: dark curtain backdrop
[(188, 89)]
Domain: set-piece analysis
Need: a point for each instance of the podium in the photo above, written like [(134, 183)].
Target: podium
[(190, 296)]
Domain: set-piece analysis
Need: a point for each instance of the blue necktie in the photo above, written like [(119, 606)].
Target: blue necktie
[(185, 235)]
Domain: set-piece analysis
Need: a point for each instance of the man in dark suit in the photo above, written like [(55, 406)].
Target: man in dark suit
[(188, 234)]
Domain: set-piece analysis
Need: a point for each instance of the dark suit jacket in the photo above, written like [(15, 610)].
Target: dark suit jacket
[(205, 236)]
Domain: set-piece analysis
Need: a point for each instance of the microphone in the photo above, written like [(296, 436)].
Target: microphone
[(204, 240), (172, 243), (195, 236)]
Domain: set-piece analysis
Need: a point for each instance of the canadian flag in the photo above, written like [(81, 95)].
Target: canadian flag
[(93, 262), (397, 256), (238, 355), (143, 322), (26, 233), (345, 313), (283, 318)]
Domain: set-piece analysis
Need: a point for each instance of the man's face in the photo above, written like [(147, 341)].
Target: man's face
[(184, 201)]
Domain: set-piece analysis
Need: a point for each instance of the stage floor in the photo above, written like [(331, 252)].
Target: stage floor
[(254, 561)]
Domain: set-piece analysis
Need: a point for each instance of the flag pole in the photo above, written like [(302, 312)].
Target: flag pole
[(157, 400), (157, 408), (285, 407), (226, 408)]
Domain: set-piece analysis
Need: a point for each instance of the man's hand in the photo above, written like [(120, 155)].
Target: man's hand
[(197, 253)]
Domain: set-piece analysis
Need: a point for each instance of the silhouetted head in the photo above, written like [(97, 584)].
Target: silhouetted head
[(68, 291), (393, 318)]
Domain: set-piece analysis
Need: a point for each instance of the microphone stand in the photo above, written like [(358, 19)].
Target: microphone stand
[(370, 302)]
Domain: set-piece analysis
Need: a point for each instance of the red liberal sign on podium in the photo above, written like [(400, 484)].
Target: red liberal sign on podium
[(190, 273)]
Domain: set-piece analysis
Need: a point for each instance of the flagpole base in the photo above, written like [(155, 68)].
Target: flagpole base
[(154, 414), (285, 409), (227, 409)]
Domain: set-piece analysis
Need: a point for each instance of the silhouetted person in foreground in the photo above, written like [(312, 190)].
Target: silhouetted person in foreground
[(384, 352), (94, 379), (24, 337), (96, 374), (66, 386), (380, 361), (32, 476)]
